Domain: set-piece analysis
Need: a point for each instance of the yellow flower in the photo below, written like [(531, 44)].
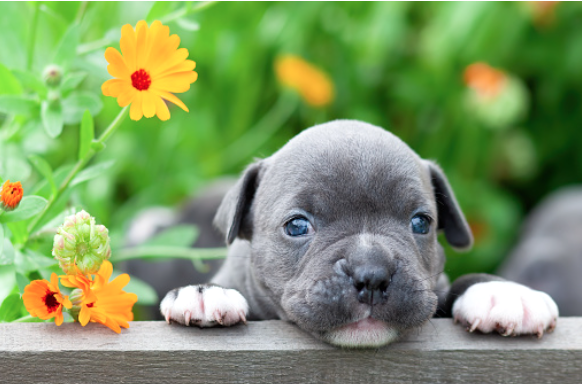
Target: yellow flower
[(102, 301), (43, 299), (149, 70), (313, 85)]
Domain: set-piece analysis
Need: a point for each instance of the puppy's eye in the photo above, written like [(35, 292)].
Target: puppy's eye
[(420, 224), (298, 226)]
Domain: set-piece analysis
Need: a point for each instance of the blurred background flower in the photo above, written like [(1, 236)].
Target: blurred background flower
[(489, 90)]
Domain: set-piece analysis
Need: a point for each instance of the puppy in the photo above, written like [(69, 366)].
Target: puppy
[(548, 256), (337, 232)]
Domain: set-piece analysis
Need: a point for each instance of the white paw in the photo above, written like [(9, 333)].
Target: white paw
[(509, 308), (204, 306)]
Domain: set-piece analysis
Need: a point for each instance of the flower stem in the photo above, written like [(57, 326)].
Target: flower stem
[(157, 252), (78, 167), (186, 10), (32, 37)]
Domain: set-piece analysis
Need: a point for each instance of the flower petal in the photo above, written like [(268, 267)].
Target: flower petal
[(105, 270), (84, 315), (162, 110), (173, 59), (177, 82), (114, 87), (128, 47), (184, 66), (149, 105), (170, 97), (116, 67), (141, 32), (136, 112), (127, 97), (166, 46), (59, 317)]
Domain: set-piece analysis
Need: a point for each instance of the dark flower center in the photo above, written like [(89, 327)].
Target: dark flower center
[(51, 302), (141, 80)]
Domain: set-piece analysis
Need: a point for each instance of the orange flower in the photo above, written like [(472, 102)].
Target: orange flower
[(484, 79), (43, 299), (103, 301), (149, 70), (11, 194), (313, 85)]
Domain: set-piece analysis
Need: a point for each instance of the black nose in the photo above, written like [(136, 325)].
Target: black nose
[(371, 284)]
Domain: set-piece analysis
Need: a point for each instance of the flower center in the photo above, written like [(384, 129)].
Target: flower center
[(141, 80), (51, 302)]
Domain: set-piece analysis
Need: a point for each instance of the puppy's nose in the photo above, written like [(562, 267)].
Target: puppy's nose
[(371, 284)]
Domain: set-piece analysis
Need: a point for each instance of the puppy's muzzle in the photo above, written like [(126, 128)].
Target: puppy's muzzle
[(370, 270), (372, 284)]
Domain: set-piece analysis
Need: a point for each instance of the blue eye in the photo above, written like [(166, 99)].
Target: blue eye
[(298, 226), (420, 224)]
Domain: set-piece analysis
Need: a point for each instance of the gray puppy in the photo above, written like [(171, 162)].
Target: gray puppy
[(549, 254), (337, 232)]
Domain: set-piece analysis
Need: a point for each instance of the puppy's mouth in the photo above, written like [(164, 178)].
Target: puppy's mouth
[(364, 333)]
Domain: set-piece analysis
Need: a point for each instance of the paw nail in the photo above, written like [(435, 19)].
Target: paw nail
[(475, 325)]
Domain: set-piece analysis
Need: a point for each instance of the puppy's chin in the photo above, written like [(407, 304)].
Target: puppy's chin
[(366, 333)]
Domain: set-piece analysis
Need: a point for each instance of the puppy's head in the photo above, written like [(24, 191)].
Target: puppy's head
[(343, 224)]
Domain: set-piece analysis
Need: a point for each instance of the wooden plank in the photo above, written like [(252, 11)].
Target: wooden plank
[(278, 352)]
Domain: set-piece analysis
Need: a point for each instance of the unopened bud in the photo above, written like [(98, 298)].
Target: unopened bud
[(52, 75), (80, 242)]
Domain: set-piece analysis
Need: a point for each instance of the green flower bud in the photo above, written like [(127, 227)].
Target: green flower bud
[(52, 75), (76, 298), (79, 241)]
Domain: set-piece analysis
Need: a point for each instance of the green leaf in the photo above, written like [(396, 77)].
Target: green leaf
[(180, 235), (7, 255), (9, 85), (67, 49), (188, 25), (17, 105), (1, 240), (71, 81), (75, 105), (146, 295), (92, 172), (19, 232), (11, 308), (28, 207), (44, 169), (32, 261), (52, 118), (22, 281), (160, 9), (86, 135), (7, 280), (30, 81)]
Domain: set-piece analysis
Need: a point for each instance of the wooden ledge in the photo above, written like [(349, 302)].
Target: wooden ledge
[(278, 352)]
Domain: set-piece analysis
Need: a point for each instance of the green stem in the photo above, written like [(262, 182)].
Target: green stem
[(156, 252), (186, 10), (81, 12), (78, 167), (259, 134), (23, 319), (32, 37)]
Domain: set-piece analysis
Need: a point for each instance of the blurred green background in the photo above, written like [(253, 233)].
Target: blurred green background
[(396, 65)]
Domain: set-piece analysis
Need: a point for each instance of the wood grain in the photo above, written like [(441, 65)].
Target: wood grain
[(278, 352)]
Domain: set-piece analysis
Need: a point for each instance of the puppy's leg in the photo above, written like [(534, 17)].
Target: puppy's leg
[(204, 306), (488, 303)]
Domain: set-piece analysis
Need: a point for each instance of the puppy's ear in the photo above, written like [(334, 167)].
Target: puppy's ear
[(450, 217), (233, 215)]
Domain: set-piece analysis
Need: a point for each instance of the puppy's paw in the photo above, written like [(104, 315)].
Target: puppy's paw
[(508, 308), (204, 306)]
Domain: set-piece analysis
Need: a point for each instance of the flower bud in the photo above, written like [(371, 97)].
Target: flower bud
[(76, 298), (52, 75), (79, 241)]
